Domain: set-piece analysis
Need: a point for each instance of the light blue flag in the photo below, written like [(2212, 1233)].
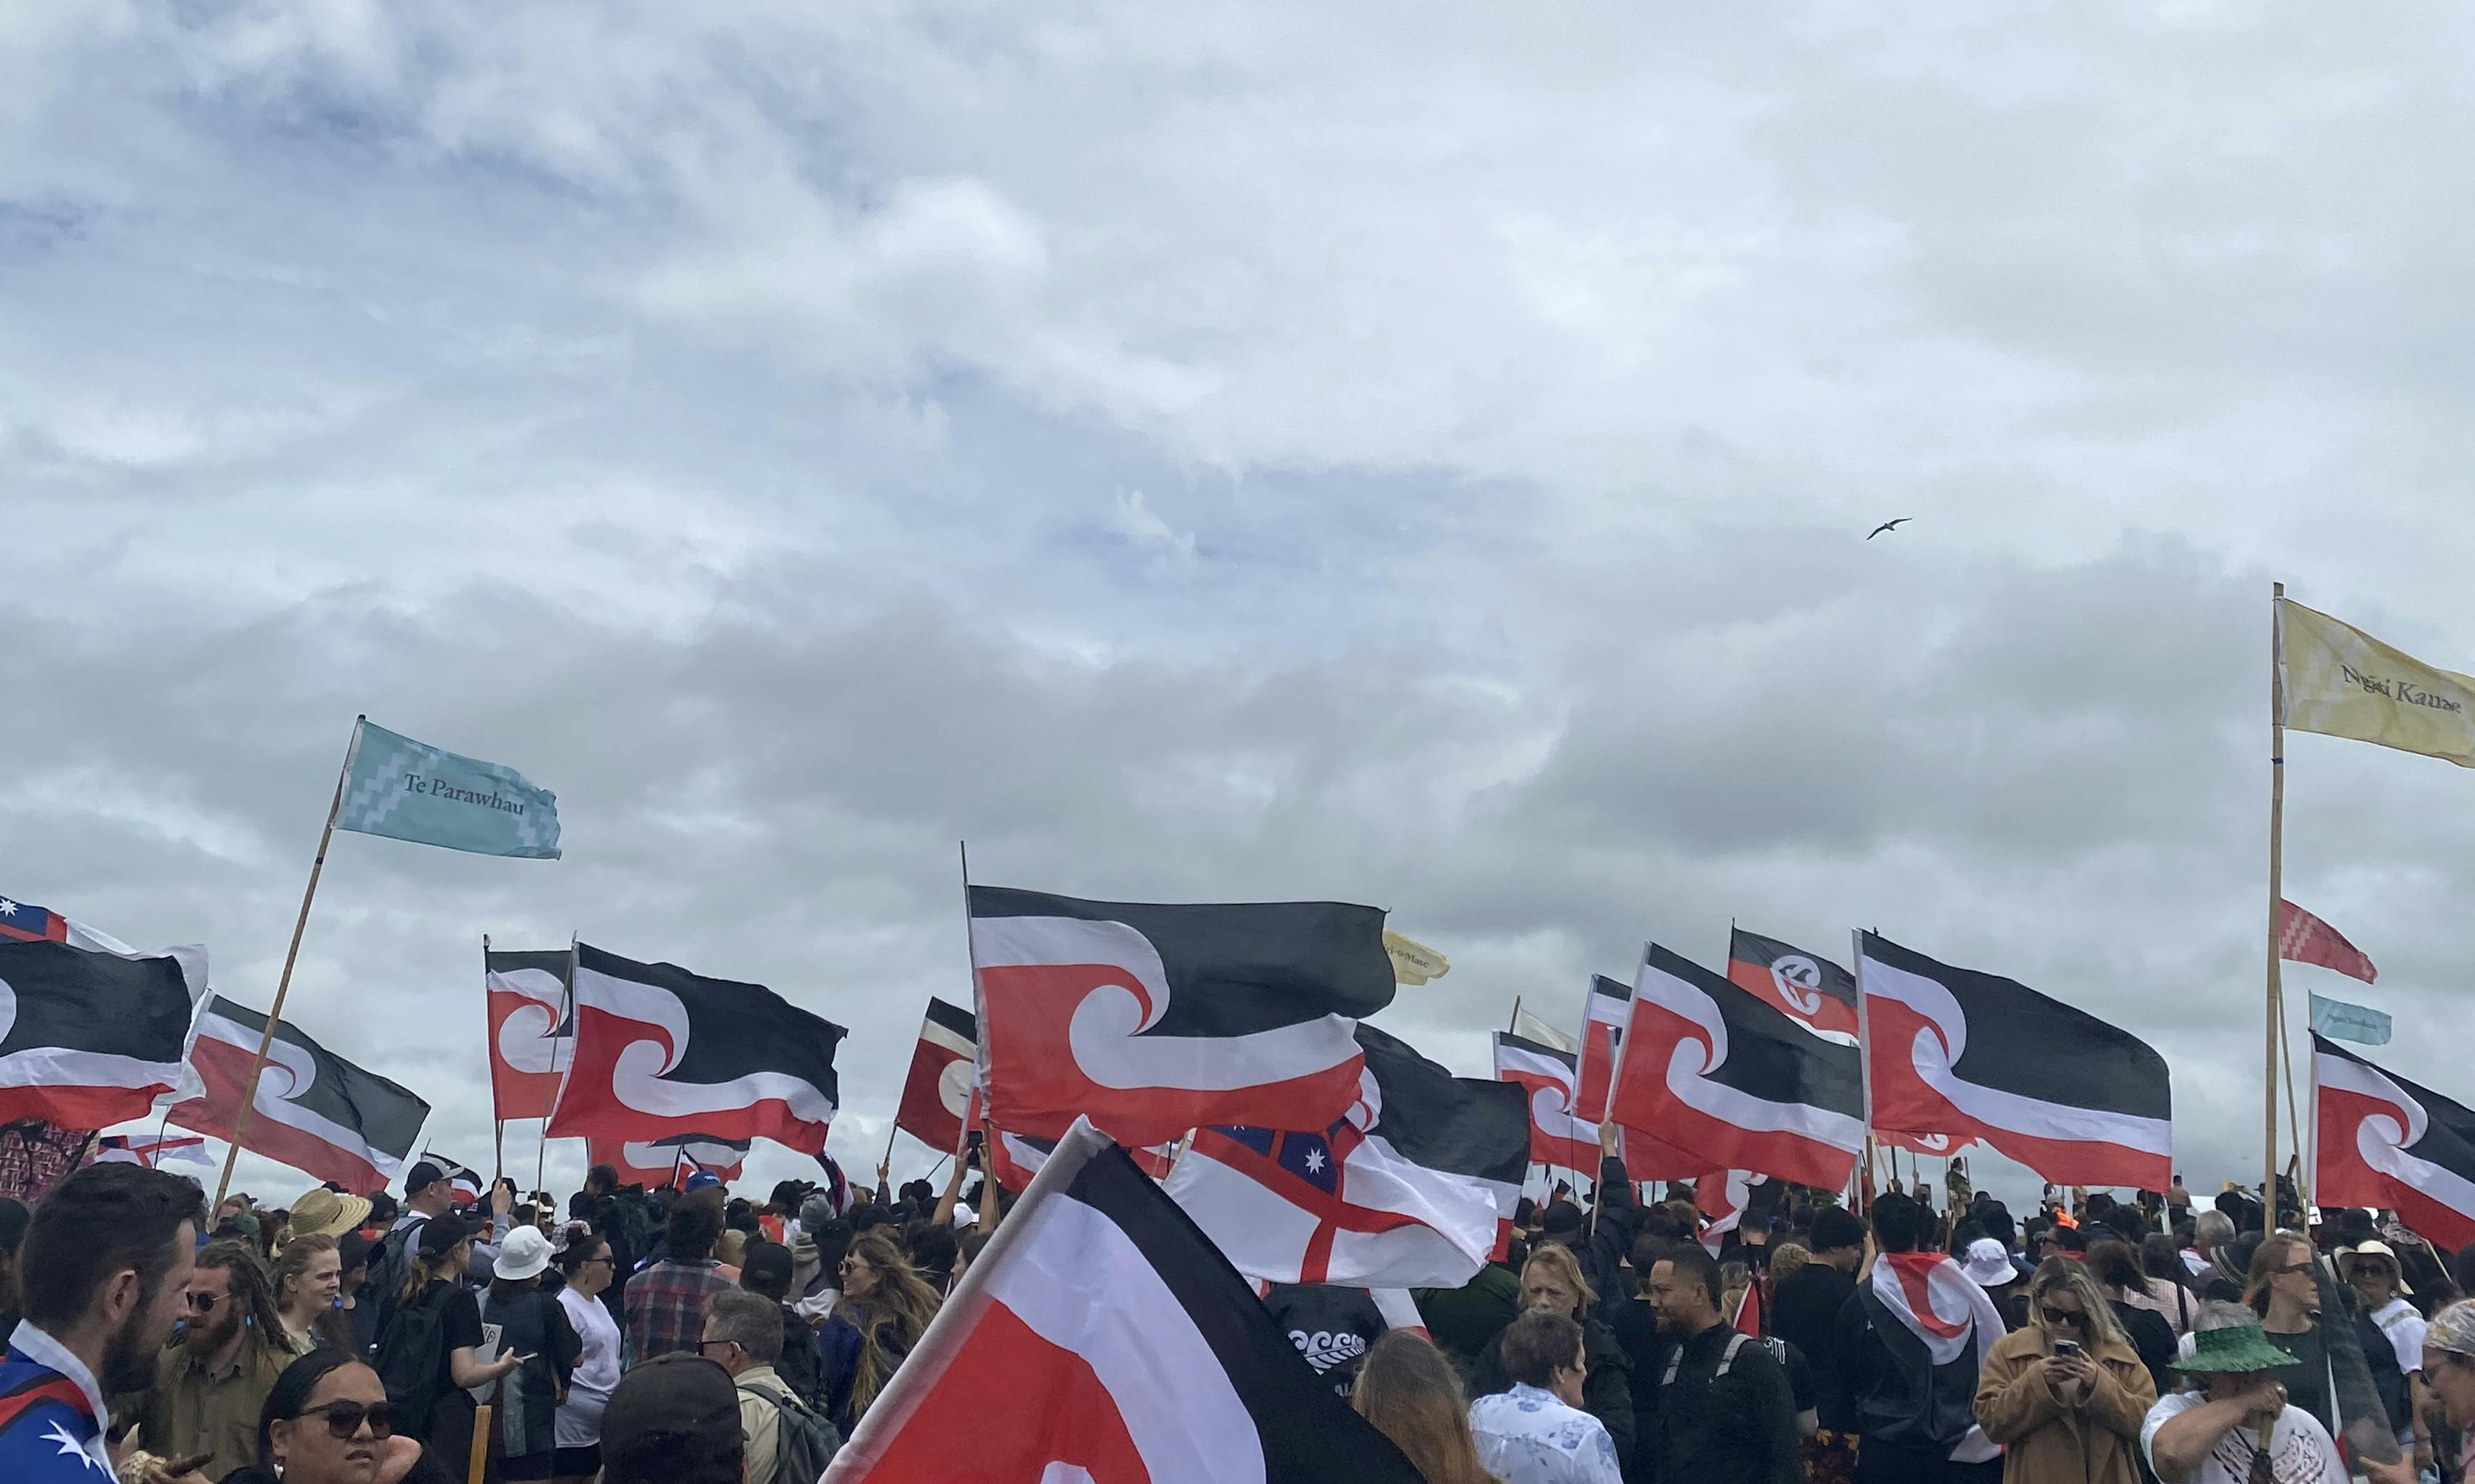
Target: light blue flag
[(406, 789), (2341, 1021)]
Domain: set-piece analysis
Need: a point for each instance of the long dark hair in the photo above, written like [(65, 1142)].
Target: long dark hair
[(290, 1394)]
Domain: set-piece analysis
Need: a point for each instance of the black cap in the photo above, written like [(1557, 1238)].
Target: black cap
[(672, 1419), (352, 1250), (765, 1267), (421, 1176), (1560, 1218), (441, 1233)]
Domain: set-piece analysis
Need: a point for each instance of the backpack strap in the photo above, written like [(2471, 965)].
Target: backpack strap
[(1726, 1358)]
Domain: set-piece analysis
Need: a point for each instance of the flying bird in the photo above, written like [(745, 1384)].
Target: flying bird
[(1888, 525)]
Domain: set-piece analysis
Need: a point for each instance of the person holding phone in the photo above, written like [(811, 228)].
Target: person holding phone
[(2066, 1394)]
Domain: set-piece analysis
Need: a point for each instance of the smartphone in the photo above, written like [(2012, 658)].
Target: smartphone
[(2067, 1346)]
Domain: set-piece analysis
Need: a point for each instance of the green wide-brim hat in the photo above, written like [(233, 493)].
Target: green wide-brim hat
[(2237, 1348)]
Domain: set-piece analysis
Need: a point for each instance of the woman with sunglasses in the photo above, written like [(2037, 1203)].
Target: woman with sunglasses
[(327, 1420), (586, 1264), (2066, 1394), (885, 1307)]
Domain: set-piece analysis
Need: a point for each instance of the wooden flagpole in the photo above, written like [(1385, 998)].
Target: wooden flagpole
[(498, 1125), (2276, 995), (1514, 1028), (284, 984)]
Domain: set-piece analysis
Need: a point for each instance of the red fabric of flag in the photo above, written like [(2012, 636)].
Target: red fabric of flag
[(2303, 939)]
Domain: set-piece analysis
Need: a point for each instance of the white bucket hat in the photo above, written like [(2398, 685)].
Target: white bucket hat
[(1989, 1263), (524, 1254)]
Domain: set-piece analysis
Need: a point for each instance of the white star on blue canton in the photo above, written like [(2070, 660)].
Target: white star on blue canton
[(8, 909), (1314, 1161), (70, 1444)]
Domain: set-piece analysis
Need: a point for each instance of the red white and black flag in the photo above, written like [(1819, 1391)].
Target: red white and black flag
[(2386, 1142), (1972, 1055), (938, 1092), (1808, 987), (1156, 1019), (660, 1052), (1730, 1081), (530, 1030), (89, 1038), (2305, 939), (1551, 1079), (154, 1151), (1415, 1188), (1603, 1013), (315, 1111), (670, 1160), (1127, 1350)]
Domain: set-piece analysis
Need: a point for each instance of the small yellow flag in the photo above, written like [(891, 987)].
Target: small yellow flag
[(1414, 964), (2342, 682)]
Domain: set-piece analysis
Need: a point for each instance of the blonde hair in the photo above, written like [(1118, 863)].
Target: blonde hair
[(902, 1305), (2067, 1274), (1410, 1393), (2264, 1263), (1786, 1258), (1559, 1258)]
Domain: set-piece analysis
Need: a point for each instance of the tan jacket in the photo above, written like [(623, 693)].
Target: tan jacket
[(2044, 1441), (194, 1410)]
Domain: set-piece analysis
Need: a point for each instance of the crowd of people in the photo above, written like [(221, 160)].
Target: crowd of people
[(684, 1335)]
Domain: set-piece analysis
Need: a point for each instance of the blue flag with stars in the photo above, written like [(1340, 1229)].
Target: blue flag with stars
[(406, 789)]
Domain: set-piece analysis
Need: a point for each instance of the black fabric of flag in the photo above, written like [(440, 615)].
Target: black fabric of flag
[(1971, 1055), (87, 1039), (1155, 1018)]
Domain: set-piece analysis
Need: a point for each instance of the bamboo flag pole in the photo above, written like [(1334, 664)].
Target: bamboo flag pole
[(284, 984), (2276, 897)]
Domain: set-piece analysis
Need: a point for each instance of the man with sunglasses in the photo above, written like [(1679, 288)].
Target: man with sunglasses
[(210, 1381)]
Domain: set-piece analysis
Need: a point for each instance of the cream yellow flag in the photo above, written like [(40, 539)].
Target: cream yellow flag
[(1414, 964), (2343, 682)]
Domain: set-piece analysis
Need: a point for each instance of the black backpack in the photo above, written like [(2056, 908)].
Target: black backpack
[(412, 1352), (805, 1443)]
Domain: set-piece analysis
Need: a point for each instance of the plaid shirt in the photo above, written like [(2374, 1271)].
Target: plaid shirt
[(666, 1308)]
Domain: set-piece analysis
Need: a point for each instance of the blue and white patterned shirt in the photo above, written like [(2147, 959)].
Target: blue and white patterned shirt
[(1529, 1436)]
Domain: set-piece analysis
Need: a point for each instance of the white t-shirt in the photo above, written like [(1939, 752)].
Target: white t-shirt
[(578, 1421), (2405, 1326), (2299, 1449)]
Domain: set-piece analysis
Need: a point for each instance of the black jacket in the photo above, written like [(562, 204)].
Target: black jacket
[(1804, 1312), (1607, 1392), (1737, 1429)]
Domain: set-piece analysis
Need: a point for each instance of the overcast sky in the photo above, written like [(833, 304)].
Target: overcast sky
[(1222, 452)]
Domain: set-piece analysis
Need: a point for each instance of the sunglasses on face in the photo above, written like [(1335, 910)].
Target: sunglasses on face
[(345, 1418), (2063, 1316), (203, 1304), (2305, 1266), (704, 1348)]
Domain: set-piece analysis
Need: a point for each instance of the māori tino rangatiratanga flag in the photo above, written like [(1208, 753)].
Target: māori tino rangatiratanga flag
[(1808, 987), (1551, 1079), (937, 1091), (2386, 1142), (1121, 1349), (1156, 1019), (315, 1111), (661, 1051), (90, 1037), (1972, 1055), (1730, 1082), (531, 1032)]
